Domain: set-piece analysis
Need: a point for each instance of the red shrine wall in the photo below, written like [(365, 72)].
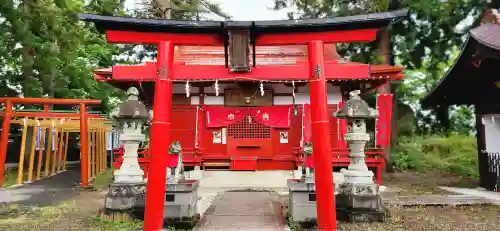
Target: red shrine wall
[(267, 145)]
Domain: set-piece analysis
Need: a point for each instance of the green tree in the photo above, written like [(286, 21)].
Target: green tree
[(174, 9), (47, 52), (423, 43)]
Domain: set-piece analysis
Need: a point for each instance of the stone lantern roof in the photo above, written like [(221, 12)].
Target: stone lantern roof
[(132, 108), (355, 108)]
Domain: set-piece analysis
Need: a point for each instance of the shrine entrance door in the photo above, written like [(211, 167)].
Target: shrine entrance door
[(247, 142)]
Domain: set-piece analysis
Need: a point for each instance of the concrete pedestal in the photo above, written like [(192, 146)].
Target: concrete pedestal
[(365, 206), (124, 197), (302, 200), (196, 174), (181, 199)]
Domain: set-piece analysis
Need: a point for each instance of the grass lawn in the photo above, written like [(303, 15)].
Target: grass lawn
[(10, 177)]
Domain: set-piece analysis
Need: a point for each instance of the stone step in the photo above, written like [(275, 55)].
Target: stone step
[(216, 166)]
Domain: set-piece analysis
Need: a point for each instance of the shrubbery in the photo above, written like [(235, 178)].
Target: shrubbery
[(454, 154)]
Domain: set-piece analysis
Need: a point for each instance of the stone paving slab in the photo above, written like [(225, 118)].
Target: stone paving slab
[(478, 192), (241, 180), (437, 200), (252, 211)]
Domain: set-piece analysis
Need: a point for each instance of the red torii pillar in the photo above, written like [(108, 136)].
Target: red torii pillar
[(160, 136), (320, 137), (320, 125)]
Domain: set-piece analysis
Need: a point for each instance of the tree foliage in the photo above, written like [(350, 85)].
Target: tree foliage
[(177, 9), (47, 52), (426, 43)]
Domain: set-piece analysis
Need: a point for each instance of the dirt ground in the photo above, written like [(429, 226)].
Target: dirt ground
[(413, 183), (473, 218), (79, 214)]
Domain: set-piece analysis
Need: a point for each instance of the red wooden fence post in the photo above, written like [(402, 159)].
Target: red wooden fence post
[(4, 139), (160, 139), (321, 140)]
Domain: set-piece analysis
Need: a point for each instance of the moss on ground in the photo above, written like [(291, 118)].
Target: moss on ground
[(10, 177), (102, 181)]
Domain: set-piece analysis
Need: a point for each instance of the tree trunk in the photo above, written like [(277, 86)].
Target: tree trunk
[(384, 48)]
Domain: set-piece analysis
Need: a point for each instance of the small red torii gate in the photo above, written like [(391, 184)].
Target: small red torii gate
[(7, 113), (314, 33)]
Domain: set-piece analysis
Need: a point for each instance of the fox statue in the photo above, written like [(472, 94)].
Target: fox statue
[(307, 162), (175, 168)]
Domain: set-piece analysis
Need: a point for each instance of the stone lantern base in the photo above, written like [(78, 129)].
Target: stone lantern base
[(360, 202), (130, 176), (354, 203), (180, 204), (123, 198)]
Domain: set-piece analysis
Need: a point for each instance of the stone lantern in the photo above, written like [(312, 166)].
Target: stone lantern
[(359, 195), (132, 116), (356, 111), (128, 190)]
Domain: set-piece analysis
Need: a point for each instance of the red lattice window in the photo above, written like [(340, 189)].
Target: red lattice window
[(248, 128)]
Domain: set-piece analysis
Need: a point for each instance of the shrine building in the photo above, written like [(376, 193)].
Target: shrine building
[(244, 104), (474, 80)]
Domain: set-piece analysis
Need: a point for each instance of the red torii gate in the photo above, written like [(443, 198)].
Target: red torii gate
[(315, 33), (7, 113)]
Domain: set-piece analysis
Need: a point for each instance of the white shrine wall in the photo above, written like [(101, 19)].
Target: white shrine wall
[(491, 124), (301, 96)]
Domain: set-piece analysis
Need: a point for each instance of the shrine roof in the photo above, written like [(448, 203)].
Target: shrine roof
[(488, 35), (366, 21), (475, 68)]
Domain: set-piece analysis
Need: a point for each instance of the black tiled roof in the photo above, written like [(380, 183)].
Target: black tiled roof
[(375, 20), (488, 35), (484, 37)]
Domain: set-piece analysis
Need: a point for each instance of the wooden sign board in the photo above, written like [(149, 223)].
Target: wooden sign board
[(247, 98)]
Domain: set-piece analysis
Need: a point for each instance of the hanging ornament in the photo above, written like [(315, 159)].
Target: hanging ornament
[(261, 89), (187, 89), (216, 87), (295, 109)]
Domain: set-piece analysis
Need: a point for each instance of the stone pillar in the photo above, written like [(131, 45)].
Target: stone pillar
[(130, 171), (356, 137)]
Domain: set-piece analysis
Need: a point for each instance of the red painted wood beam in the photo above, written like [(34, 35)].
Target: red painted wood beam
[(348, 36), (49, 114), (15, 100), (130, 37), (333, 71)]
